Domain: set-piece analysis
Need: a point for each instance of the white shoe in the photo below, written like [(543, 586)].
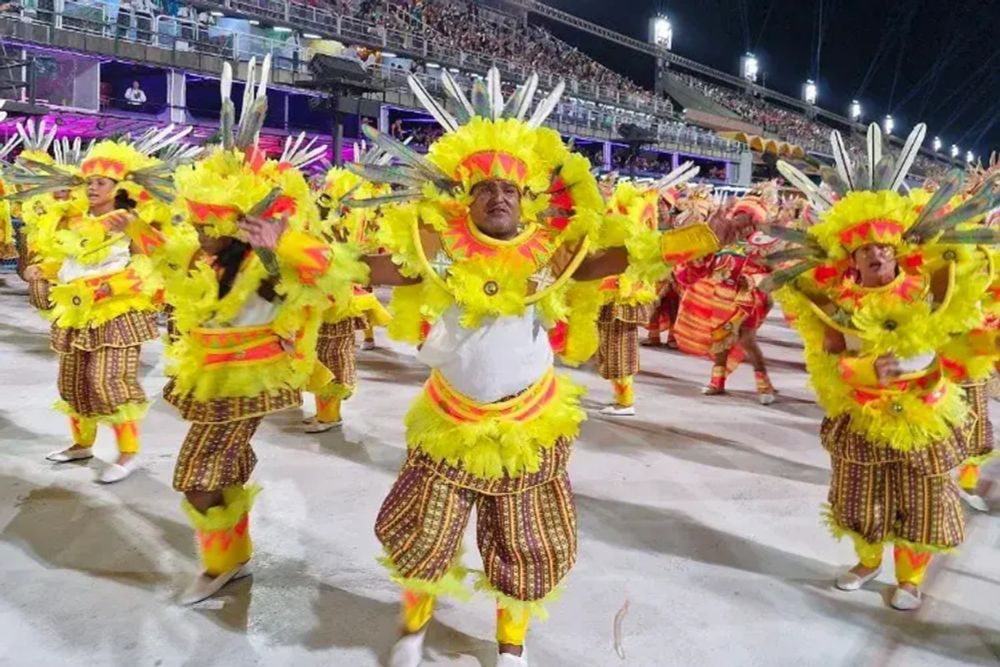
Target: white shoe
[(766, 399), (904, 600), (618, 411), (508, 660), (848, 581), (309, 420), (116, 473), (316, 426), (205, 586), (67, 455), (368, 345), (408, 651), (974, 501)]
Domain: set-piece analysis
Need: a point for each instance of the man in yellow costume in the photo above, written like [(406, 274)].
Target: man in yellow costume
[(501, 219), (881, 289)]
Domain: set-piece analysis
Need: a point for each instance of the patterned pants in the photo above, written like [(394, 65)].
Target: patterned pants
[(527, 537), (96, 383), (618, 350), (216, 456), (882, 495), (336, 350)]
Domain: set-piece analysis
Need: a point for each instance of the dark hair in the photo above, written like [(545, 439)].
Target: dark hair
[(122, 200), (230, 259)]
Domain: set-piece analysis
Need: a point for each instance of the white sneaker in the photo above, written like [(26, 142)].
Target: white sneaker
[(116, 473), (368, 345), (205, 586), (849, 581), (309, 420), (904, 600), (67, 455), (766, 399), (508, 660), (408, 651), (618, 411), (316, 426), (974, 501)]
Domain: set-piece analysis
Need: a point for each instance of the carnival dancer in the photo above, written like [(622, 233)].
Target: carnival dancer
[(337, 345), (723, 306), (501, 220), (625, 301), (668, 301), (972, 359), (247, 289), (879, 289), (102, 292)]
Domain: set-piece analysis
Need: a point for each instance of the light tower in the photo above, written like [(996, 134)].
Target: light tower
[(937, 144), (955, 150), (661, 32), (809, 92), (889, 124), (750, 67), (855, 111)]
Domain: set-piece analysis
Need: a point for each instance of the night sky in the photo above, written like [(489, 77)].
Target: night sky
[(936, 61)]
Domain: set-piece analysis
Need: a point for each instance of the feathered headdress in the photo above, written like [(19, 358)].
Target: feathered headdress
[(867, 208), (488, 138)]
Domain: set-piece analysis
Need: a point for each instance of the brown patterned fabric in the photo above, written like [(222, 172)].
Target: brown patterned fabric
[(527, 539), (552, 463), (97, 383), (939, 458), (981, 442), (216, 456), (224, 410), (38, 294), (884, 495), (336, 349), (126, 330), (617, 349), (638, 314)]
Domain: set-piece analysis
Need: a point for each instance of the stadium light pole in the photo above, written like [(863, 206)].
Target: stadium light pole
[(889, 124), (855, 111), (663, 32), (955, 150), (969, 157), (937, 144), (809, 91), (750, 67)]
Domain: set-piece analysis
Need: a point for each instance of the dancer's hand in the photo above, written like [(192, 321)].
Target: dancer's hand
[(728, 227), (118, 221), (887, 368), (33, 272), (263, 232)]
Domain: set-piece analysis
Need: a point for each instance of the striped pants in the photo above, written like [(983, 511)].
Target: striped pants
[(96, 383), (216, 456), (336, 349), (527, 538), (618, 349), (885, 496)]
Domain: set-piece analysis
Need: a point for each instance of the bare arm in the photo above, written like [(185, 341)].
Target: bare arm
[(385, 272), (610, 262), (834, 342)]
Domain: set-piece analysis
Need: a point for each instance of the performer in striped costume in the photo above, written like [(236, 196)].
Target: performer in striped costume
[(248, 285), (502, 220), (885, 290), (101, 287)]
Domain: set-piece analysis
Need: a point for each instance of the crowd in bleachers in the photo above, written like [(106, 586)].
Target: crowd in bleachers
[(486, 36), (462, 27)]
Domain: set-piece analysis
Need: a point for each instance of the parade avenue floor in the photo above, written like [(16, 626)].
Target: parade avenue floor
[(703, 514)]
